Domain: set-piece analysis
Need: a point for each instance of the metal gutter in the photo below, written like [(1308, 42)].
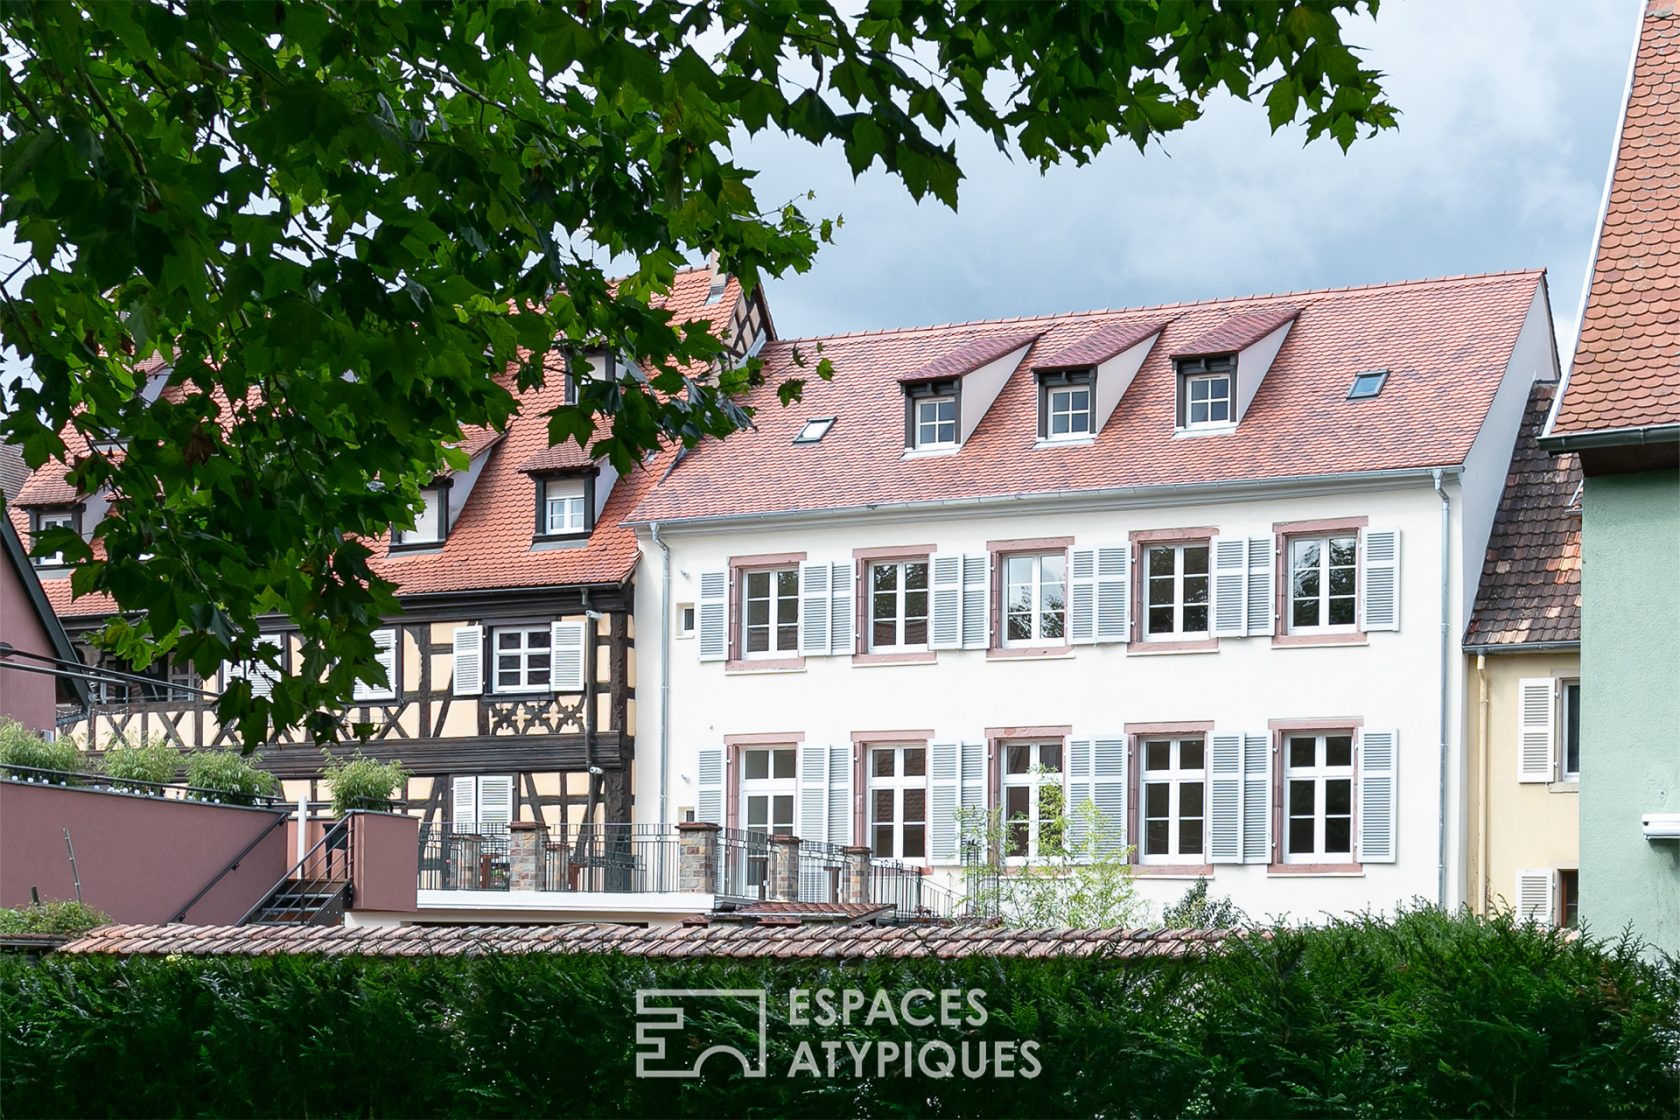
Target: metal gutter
[(1525, 647), (664, 675), (1446, 655), (1608, 437), (1120, 497)]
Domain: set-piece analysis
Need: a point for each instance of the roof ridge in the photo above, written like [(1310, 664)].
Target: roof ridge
[(1155, 308)]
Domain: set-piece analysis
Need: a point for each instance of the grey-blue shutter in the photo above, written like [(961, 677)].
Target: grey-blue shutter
[(1108, 790), (1113, 593), (468, 678), (842, 614), (814, 605), (1082, 595), (714, 616), (708, 785), (1225, 782), (1230, 587), (977, 589), (1262, 601), (1257, 799), (1079, 791), (1380, 560), (1379, 758), (945, 579), (944, 781)]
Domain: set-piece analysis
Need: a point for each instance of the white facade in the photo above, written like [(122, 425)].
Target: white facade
[(1399, 686)]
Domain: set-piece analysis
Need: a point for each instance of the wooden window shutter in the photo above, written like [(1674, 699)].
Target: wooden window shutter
[(713, 620), (1378, 790), (1380, 570), (1108, 791), (814, 608), (944, 765), (1079, 773), (973, 795), (976, 613), (842, 583), (463, 804), (1230, 587), (1113, 593), (468, 678), (385, 653), (1535, 896), (1536, 729), (812, 803), (1262, 603), (1257, 799), (840, 795), (1225, 781), (1082, 595), (495, 801), (708, 785), (566, 642), (945, 580)]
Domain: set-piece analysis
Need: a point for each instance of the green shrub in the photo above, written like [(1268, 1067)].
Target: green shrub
[(20, 746), (1196, 911), (67, 917), (228, 777), (1428, 1015), (363, 783), (152, 760)]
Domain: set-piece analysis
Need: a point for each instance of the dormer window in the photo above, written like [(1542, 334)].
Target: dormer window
[(1065, 405), (1367, 384), (565, 506), (1205, 398), (431, 524), (52, 519), (931, 414)]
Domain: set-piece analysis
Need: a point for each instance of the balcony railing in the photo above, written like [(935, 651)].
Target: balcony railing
[(612, 858)]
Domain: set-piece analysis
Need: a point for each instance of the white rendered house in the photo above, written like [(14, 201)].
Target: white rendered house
[(1205, 565)]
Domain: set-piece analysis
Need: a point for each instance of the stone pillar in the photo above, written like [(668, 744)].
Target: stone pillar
[(697, 862), (525, 856), (784, 868), (854, 879)]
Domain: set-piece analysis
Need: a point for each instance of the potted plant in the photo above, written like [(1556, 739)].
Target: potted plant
[(363, 783), (151, 762), (21, 747), (228, 778)]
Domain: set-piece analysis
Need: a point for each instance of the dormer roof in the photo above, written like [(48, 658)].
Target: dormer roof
[(1236, 333), (1099, 345), (561, 457), (973, 354)]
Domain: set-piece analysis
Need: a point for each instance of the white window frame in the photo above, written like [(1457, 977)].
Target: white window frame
[(478, 825), (1032, 780), (1320, 773), (686, 617), (1058, 402), (897, 784), (1323, 541), (770, 787), (775, 597), (1176, 580), (1035, 585), (1210, 400), (899, 595), (65, 520), (428, 523), (934, 424), (526, 680), (1175, 777), (366, 690), (1565, 710), (565, 512)]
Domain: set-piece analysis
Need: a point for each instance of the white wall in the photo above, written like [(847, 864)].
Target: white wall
[(1391, 682)]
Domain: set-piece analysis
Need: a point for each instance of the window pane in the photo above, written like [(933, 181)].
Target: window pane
[(507, 639), (1161, 562), (1155, 837), (787, 582), (1341, 581), (1195, 619), (1195, 559), (1050, 756), (1572, 728), (1341, 612), (1058, 424), (915, 604), (885, 763), (1302, 797), (1020, 627), (1338, 832), (886, 577), (1160, 620), (1190, 799), (1015, 801), (1304, 613), (782, 812), (758, 812), (1053, 566), (916, 576), (883, 804), (883, 841), (915, 805), (787, 637), (758, 585), (758, 639), (1219, 411), (1157, 755), (1017, 759), (787, 609), (1342, 551), (757, 764), (915, 841), (1190, 836), (915, 762), (1190, 754), (1338, 750), (784, 764), (758, 612), (884, 634), (1303, 752), (1338, 797), (1161, 592), (915, 631), (1300, 835), (1156, 797)]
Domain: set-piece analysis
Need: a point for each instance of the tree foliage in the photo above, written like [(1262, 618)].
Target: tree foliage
[(350, 230)]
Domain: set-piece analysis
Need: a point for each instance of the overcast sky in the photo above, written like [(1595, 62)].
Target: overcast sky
[(1508, 115)]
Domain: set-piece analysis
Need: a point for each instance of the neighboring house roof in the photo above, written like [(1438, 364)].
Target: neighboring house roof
[(831, 942), (1530, 592), (489, 544), (1626, 372), (14, 472), (793, 913), (18, 557), (1447, 343)]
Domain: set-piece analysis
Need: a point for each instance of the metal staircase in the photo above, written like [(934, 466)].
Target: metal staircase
[(315, 891)]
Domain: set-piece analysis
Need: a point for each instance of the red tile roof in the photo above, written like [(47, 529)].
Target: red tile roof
[(1530, 590), (14, 472), (489, 545), (566, 456), (970, 356), (828, 941), (1100, 345), (1238, 332), (1626, 372), (1447, 342)]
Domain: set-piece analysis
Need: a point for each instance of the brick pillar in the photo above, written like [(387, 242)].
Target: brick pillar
[(784, 868), (697, 863), (854, 879), (525, 856)]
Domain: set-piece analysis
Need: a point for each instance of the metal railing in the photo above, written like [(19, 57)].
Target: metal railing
[(314, 885), (911, 893), (104, 783), (613, 858), (743, 863), (468, 857), (822, 867)]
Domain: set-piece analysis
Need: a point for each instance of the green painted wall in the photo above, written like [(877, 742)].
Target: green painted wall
[(1630, 703)]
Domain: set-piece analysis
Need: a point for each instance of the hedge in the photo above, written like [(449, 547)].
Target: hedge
[(1429, 1015)]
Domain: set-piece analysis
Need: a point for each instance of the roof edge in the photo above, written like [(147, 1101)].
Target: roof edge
[(1606, 437), (1522, 647), (50, 621)]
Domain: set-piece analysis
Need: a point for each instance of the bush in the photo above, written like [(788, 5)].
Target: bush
[(1429, 1015), (228, 777), (66, 917), (153, 760), (20, 746), (1195, 911), (363, 783)]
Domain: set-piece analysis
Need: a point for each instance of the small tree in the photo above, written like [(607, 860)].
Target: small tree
[(1196, 911), (152, 761), (363, 783), (21, 747), (1079, 877), (228, 777)]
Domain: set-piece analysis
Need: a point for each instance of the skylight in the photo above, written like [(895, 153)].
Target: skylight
[(1367, 384), (814, 430)]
